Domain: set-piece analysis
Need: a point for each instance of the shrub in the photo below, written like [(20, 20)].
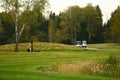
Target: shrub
[(112, 60), (110, 68), (113, 67)]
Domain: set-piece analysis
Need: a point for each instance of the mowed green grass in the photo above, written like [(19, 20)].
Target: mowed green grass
[(25, 65)]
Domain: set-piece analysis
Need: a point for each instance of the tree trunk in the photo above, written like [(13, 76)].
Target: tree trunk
[(16, 46), (75, 37), (31, 45), (16, 31), (89, 36)]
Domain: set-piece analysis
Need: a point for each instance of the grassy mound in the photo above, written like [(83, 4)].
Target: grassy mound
[(42, 46), (39, 46)]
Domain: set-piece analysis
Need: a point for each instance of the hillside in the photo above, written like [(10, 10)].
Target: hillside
[(42, 46), (39, 46)]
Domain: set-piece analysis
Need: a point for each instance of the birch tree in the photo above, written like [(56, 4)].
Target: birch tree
[(18, 6)]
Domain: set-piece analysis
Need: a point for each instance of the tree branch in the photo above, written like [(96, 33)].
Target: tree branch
[(21, 31)]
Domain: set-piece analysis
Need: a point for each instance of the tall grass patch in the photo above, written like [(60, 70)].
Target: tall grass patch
[(110, 67), (39, 46)]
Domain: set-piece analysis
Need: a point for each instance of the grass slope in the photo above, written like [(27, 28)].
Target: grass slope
[(25, 66), (38, 47)]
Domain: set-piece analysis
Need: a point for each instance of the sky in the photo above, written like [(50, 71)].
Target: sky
[(106, 6)]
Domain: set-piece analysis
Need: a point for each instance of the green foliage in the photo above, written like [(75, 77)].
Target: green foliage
[(69, 26), (82, 23), (112, 60), (64, 29), (115, 27), (93, 20), (110, 68), (1, 33), (107, 32), (37, 6), (73, 20), (113, 66), (112, 28), (54, 28), (75, 23), (7, 25)]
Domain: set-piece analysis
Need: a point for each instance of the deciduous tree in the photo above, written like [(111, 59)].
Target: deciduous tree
[(115, 27), (17, 5)]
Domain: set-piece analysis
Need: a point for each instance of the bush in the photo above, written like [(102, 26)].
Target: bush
[(110, 68), (113, 67), (112, 60)]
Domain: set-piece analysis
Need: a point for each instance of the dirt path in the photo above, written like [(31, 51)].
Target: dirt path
[(93, 48)]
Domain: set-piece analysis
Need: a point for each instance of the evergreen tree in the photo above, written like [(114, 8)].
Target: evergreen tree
[(115, 26)]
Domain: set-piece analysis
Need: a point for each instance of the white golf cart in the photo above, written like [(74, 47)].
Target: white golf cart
[(84, 44)]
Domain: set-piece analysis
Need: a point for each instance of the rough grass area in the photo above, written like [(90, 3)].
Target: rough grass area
[(39, 46), (109, 67)]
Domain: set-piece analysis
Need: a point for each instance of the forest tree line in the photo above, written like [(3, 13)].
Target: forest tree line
[(74, 24)]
